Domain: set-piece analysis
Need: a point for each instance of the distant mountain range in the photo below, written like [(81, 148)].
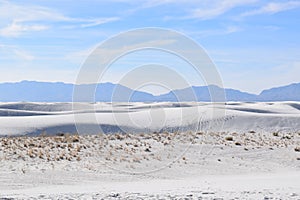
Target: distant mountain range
[(33, 91)]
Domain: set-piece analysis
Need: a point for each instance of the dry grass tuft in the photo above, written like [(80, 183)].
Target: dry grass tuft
[(229, 138), (276, 134), (238, 143)]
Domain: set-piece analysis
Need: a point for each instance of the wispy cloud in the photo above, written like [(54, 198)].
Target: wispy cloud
[(155, 3), (24, 55), (15, 52), (272, 28), (11, 11), (15, 29), (96, 22), (213, 32), (192, 9), (273, 8), (213, 9), (18, 19), (77, 57)]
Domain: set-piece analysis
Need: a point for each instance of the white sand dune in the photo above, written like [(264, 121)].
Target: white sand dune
[(51, 118), (236, 151)]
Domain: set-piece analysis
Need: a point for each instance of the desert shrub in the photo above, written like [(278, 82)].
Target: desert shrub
[(229, 138)]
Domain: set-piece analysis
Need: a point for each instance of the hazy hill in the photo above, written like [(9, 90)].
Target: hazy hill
[(34, 91), (284, 93)]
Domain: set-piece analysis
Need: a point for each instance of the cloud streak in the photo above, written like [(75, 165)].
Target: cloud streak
[(273, 8), (194, 9), (213, 9), (213, 32), (22, 19), (8, 52), (96, 22), (15, 29), (24, 55)]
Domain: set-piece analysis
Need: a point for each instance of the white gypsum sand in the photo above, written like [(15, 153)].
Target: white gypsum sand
[(51, 118), (255, 155)]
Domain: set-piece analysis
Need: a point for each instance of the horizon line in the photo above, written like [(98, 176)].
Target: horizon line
[(68, 83)]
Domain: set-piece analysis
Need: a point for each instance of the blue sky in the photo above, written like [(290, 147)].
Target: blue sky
[(254, 44)]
